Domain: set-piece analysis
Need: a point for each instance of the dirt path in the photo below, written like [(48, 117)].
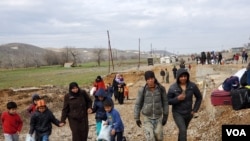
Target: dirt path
[(207, 127)]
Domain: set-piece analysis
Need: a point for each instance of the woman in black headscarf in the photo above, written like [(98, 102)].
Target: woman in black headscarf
[(77, 104)]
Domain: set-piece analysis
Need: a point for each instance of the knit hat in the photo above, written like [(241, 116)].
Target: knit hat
[(149, 74), (40, 103)]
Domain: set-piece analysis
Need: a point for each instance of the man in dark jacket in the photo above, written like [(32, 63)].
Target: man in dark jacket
[(180, 96), (174, 71), (162, 73)]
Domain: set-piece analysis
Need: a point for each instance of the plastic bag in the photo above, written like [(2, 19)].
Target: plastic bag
[(92, 91), (105, 132), (29, 138)]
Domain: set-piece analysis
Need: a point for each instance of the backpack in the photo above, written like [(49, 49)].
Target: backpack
[(231, 83), (243, 79), (161, 88)]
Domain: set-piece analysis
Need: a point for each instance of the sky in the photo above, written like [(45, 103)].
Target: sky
[(177, 26)]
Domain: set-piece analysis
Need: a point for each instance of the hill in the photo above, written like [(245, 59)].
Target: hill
[(21, 55), (15, 55)]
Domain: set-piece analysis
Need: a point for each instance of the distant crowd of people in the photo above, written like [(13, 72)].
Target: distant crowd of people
[(217, 58)]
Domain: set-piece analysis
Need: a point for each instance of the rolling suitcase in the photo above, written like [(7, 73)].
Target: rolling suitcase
[(220, 97), (240, 98)]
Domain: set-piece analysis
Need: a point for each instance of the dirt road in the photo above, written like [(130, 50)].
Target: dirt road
[(207, 127)]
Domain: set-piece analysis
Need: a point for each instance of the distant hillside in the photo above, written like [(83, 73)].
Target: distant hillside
[(14, 55), (20, 49), (21, 55)]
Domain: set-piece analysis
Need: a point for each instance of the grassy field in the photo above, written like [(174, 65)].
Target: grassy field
[(59, 76)]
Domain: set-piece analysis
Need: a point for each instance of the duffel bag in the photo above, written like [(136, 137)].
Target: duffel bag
[(240, 98)]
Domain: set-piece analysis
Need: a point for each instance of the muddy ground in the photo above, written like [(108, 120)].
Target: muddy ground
[(206, 127)]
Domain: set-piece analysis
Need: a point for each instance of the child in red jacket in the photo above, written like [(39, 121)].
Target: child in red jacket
[(32, 107), (11, 122)]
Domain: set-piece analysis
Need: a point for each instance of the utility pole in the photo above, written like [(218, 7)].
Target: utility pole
[(151, 50), (139, 55), (110, 53)]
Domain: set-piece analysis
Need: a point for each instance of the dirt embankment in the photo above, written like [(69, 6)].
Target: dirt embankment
[(206, 127)]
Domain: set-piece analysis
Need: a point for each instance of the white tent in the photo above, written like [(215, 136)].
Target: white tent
[(165, 59)]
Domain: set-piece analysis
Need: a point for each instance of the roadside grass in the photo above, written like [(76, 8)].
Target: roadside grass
[(85, 74)]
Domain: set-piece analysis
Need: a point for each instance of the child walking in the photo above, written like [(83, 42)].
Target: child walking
[(98, 108), (110, 90), (11, 123), (114, 119), (32, 107), (126, 91), (41, 122)]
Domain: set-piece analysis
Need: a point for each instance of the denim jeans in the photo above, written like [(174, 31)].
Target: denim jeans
[(43, 138), (182, 122), (153, 129)]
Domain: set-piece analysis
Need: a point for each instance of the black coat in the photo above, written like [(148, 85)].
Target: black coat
[(41, 123)]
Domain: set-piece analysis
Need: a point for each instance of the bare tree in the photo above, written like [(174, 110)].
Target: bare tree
[(10, 62), (51, 58), (36, 60), (66, 54), (98, 53), (25, 59), (70, 54), (74, 54)]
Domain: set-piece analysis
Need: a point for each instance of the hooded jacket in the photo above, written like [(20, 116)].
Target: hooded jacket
[(98, 107), (185, 106), (114, 119), (99, 83)]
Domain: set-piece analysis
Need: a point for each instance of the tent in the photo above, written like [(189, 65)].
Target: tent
[(165, 59)]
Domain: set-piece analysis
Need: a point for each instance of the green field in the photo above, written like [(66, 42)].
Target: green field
[(85, 74)]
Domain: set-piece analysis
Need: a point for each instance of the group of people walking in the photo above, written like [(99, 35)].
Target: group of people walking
[(153, 100), (151, 109)]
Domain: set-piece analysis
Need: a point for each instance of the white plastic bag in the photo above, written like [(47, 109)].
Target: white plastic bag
[(92, 91), (105, 133), (29, 138)]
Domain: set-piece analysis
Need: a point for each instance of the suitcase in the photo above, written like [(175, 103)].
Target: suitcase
[(220, 97), (240, 98)]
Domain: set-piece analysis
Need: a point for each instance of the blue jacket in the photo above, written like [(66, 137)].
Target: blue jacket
[(98, 107), (114, 119)]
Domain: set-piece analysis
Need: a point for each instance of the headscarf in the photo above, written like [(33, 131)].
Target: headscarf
[(72, 85)]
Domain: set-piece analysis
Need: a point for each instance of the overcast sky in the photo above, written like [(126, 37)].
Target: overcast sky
[(178, 26)]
